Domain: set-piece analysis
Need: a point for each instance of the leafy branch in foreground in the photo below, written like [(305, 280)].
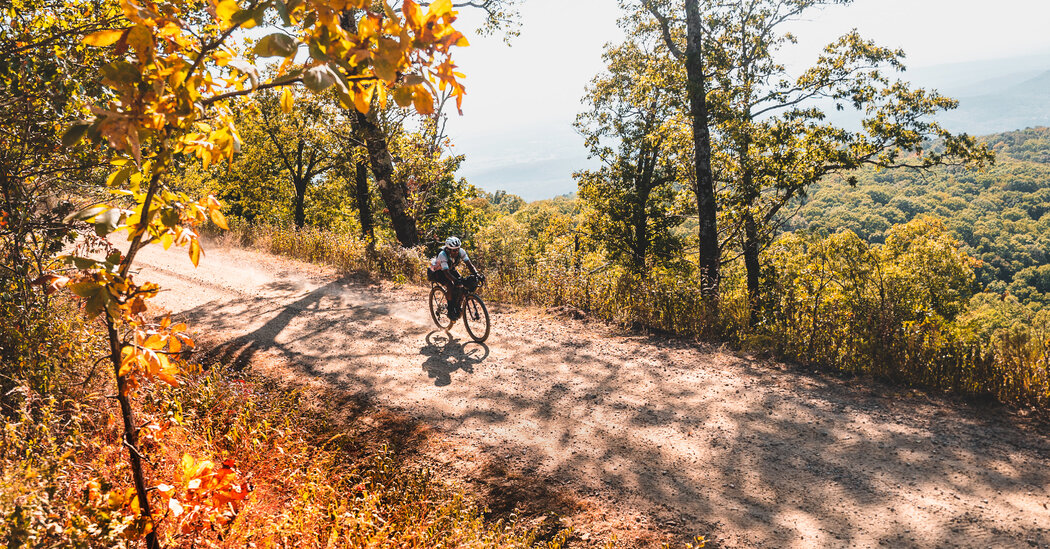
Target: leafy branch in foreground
[(172, 67)]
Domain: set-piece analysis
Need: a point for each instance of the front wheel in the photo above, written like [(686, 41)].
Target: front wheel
[(476, 318), (439, 308)]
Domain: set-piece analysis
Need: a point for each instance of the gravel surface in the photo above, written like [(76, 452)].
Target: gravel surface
[(643, 433)]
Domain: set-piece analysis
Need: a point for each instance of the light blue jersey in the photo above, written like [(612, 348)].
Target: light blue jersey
[(443, 262)]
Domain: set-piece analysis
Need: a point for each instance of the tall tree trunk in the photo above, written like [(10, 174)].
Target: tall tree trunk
[(751, 264), (395, 195), (710, 255), (364, 202), (752, 246), (300, 203), (643, 187)]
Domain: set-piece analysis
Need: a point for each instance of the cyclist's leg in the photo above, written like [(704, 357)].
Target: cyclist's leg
[(453, 302), (454, 297)]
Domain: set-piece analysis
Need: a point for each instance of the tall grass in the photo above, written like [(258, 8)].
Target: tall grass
[(849, 309)]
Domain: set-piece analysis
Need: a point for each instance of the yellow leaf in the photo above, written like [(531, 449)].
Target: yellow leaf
[(439, 8), (155, 342), (187, 466), (104, 38), (367, 27), (362, 96), (219, 219), (195, 252), (286, 100), (224, 10)]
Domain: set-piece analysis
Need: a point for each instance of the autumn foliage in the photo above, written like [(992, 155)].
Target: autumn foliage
[(166, 72)]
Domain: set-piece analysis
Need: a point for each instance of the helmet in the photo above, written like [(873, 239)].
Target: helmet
[(453, 243)]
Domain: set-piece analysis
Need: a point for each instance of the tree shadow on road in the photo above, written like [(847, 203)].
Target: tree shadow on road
[(714, 443), (446, 355), (321, 305)]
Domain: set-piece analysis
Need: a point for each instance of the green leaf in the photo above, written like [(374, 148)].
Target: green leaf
[(319, 78), (81, 263), (244, 16), (118, 177), (384, 69), (276, 45), (169, 217), (85, 289), (121, 72), (107, 221), (315, 50), (75, 133), (96, 303), (282, 10)]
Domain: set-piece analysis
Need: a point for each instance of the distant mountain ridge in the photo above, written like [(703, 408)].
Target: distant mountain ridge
[(1020, 106), (536, 161)]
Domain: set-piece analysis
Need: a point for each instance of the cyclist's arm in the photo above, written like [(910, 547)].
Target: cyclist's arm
[(451, 275), (470, 265)]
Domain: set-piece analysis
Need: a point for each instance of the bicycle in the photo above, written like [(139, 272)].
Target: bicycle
[(472, 308)]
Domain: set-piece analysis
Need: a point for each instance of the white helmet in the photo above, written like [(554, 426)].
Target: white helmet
[(453, 243)]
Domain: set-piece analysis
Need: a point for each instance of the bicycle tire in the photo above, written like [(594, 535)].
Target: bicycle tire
[(476, 318), (439, 308)]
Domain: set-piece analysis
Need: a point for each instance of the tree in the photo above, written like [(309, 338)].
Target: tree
[(393, 191), (693, 56), (304, 139), (374, 134), (171, 74), (776, 139), (636, 127), (42, 71)]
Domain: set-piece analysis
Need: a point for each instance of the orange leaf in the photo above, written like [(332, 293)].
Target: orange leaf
[(413, 15), (423, 101)]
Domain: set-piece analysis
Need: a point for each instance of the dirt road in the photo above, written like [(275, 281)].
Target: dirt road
[(660, 434)]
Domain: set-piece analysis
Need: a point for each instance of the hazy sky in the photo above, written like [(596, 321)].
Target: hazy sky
[(521, 100)]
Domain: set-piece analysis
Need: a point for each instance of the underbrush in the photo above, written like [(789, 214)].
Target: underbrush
[(899, 313), (65, 482)]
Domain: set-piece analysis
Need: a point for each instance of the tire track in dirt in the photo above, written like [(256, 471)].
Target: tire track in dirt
[(661, 433)]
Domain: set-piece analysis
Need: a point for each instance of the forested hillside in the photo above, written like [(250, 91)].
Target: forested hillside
[(1000, 214)]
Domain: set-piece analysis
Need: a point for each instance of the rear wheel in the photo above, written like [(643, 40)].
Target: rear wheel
[(439, 308), (476, 318)]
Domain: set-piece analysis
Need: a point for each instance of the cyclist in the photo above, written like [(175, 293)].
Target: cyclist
[(443, 271)]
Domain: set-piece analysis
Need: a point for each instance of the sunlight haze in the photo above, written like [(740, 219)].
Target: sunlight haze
[(522, 99)]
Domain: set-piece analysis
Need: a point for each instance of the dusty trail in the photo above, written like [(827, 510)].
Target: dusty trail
[(699, 441)]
